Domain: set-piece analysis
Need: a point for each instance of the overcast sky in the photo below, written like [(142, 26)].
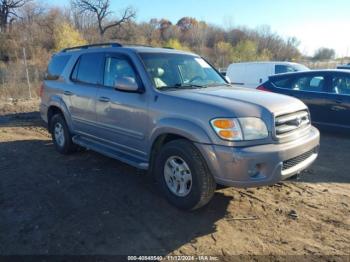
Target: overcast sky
[(321, 23)]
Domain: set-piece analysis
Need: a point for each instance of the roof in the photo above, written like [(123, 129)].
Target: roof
[(311, 72), (267, 62)]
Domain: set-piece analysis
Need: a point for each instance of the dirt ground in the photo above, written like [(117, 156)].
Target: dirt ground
[(86, 203)]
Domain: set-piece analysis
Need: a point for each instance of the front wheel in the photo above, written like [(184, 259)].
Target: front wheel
[(183, 175)]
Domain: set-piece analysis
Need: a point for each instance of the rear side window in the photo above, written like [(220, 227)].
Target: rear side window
[(56, 67), (282, 83), (88, 69)]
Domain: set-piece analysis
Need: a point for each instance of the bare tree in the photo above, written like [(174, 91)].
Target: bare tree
[(8, 12), (101, 10), (324, 53)]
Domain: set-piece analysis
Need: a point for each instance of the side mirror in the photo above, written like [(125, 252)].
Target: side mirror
[(127, 84)]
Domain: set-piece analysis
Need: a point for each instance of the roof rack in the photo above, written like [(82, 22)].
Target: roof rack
[(92, 45), (138, 45)]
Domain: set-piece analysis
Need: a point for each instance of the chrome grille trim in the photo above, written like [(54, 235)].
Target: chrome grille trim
[(288, 123)]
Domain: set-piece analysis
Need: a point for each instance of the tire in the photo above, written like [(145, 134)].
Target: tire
[(194, 193), (61, 136)]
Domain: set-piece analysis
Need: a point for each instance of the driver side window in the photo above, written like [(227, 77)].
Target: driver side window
[(117, 68), (340, 85)]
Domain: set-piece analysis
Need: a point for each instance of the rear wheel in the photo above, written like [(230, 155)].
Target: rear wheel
[(183, 175), (61, 136)]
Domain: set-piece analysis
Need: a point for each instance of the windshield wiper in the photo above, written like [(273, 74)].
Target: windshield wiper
[(181, 86), (214, 85), (189, 86)]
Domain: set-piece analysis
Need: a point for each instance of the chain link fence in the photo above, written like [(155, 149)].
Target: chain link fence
[(14, 83)]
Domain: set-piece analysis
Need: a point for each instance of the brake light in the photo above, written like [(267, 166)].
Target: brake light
[(41, 90), (262, 88)]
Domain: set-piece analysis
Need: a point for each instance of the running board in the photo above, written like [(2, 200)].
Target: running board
[(109, 151)]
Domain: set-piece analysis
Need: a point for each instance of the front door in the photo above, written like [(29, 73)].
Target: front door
[(122, 116), (338, 103)]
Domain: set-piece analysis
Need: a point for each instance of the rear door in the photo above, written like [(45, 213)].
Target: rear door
[(52, 79), (85, 80), (310, 88), (338, 104)]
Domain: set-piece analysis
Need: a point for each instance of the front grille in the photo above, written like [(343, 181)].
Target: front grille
[(288, 123), (297, 160)]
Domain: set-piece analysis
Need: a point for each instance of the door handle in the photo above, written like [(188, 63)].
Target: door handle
[(339, 101), (68, 93), (104, 99), (338, 108)]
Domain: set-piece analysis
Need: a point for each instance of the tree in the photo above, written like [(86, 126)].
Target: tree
[(66, 36), (150, 31), (186, 23), (175, 44), (164, 28), (224, 53), (324, 54), (8, 12), (102, 12)]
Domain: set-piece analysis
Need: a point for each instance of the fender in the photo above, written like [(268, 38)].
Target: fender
[(57, 101), (181, 127)]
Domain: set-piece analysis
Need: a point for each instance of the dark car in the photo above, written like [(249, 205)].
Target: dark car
[(325, 92), (344, 66)]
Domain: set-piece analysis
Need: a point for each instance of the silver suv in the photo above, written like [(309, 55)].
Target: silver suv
[(170, 112)]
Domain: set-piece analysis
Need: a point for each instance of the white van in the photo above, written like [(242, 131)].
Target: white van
[(252, 74)]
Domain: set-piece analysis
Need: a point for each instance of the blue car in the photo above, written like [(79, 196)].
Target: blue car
[(325, 92)]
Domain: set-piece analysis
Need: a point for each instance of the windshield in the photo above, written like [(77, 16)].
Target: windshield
[(177, 71)]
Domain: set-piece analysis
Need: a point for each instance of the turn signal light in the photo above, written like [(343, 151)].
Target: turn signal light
[(223, 123)]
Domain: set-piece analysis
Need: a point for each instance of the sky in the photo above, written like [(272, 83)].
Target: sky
[(316, 23)]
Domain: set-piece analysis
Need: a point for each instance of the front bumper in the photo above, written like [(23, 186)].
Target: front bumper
[(261, 165)]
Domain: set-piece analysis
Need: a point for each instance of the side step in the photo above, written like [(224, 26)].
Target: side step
[(109, 151)]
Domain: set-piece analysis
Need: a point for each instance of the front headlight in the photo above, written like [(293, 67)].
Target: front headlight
[(253, 128), (238, 129)]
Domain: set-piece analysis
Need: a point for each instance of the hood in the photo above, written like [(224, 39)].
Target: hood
[(230, 97)]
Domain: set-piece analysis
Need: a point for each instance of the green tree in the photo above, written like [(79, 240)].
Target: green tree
[(247, 50), (175, 44), (224, 53), (67, 36)]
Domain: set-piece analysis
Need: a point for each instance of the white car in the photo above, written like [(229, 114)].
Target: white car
[(252, 74)]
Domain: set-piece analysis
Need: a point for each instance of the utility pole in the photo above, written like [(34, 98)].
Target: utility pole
[(27, 73)]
